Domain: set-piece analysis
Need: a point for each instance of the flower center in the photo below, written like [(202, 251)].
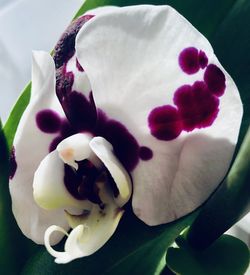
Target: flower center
[(82, 183)]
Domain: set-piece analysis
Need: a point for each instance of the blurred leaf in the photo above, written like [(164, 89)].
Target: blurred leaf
[(231, 42), (229, 203), (228, 255), (135, 248), (207, 17), (5, 239)]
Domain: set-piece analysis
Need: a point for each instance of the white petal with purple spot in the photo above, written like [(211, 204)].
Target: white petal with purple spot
[(31, 146), (154, 73)]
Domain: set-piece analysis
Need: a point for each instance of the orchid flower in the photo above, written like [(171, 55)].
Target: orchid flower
[(133, 107)]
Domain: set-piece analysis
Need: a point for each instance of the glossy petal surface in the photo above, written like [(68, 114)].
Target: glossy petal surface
[(131, 57), (104, 151), (31, 146), (49, 188)]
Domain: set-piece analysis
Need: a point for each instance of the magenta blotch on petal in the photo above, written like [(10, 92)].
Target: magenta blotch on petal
[(54, 143), (78, 66), (64, 83), (48, 121), (66, 129), (215, 79), (197, 106), (80, 111), (165, 122), (203, 59), (145, 153), (189, 60), (126, 147), (81, 183)]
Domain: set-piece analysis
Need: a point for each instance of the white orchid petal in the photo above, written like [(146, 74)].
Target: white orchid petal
[(132, 57), (49, 189), (42, 73), (91, 231), (104, 151), (76, 148), (31, 146), (80, 82)]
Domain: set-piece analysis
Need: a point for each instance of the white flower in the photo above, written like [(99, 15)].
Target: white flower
[(142, 102)]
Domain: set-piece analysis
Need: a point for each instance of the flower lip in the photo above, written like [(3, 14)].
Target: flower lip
[(93, 193)]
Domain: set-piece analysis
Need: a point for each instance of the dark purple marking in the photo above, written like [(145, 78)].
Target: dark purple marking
[(80, 112), (65, 47), (215, 80), (78, 66), (189, 60), (64, 83), (165, 122), (48, 121), (126, 148), (66, 129), (55, 142), (203, 59), (13, 164), (197, 106), (145, 153), (81, 184), (82, 115)]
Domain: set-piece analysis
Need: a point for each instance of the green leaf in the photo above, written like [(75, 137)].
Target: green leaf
[(135, 248), (207, 17), (231, 42), (228, 205), (228, 255), (4, 211)]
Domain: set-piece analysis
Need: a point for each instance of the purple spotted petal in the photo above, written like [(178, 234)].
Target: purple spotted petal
[(37, 129), (134, 74)]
